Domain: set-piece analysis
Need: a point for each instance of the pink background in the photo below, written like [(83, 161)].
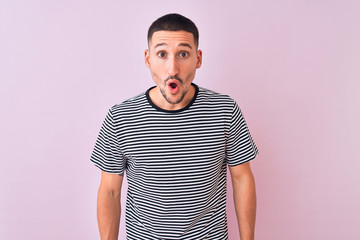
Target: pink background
[(293, 67)]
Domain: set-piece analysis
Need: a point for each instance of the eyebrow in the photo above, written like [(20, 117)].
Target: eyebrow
[(186, 45), (181, 44)]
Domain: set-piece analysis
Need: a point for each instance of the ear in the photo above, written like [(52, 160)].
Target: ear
[(147, 56), (199, 58)]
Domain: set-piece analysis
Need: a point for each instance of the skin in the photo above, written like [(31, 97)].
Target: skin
[(173, 57), (108, 205), (244, 195), (172, 54)]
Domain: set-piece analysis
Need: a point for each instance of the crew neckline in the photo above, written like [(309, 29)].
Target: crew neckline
[(172, 111)]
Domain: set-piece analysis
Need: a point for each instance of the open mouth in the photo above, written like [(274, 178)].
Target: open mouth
[(173, 85)]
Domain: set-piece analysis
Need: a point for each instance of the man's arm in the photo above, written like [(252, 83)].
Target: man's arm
[(108, 205), (244, 199)]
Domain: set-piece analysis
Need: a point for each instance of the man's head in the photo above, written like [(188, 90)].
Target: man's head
[(174, 22), (173, 58)]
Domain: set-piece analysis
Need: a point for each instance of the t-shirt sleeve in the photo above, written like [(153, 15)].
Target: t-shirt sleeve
[(107, 154), (240, 146)]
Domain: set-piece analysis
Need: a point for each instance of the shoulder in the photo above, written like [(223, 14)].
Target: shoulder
[(129, 107), (213, 97), (131, 103)]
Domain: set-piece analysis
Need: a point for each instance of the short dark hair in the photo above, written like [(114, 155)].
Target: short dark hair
[(174, 22)]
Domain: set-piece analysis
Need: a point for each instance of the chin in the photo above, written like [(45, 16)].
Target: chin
[(174, 100)]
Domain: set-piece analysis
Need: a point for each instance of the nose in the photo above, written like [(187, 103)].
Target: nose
[(173, 67)]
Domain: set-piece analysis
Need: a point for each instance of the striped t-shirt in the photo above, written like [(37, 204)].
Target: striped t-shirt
[(175, 163)]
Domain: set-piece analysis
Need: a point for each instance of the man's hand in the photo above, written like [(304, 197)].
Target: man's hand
[(244, 199), (108, 205)]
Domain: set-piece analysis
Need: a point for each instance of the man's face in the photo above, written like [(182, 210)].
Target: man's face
[(173, 59)]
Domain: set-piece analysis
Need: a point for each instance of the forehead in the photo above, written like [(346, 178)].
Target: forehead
[(172, 37)]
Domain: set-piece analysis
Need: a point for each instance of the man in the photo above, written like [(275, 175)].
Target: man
[(175, 141)]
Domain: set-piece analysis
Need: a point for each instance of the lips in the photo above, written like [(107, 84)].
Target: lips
[(173, 86)]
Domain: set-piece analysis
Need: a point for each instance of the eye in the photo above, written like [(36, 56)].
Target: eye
[(183, 54), (161, 54)]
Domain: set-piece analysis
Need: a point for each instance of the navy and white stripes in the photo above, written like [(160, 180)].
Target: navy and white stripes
[(175, 163)]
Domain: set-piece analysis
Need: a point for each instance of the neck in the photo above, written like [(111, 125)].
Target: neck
[(158, 99)]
